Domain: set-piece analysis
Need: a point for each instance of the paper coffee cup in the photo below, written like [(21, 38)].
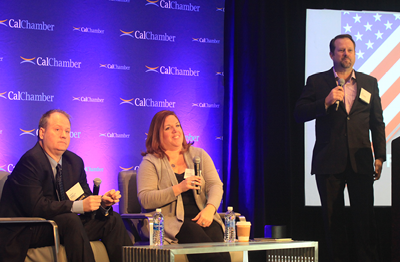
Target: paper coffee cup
[(243, 231)]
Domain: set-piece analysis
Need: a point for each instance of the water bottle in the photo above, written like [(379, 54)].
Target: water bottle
[(158, 228), (230, 230)]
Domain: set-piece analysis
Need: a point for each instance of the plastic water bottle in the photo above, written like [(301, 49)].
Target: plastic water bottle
[(230, 230), (158, 228)]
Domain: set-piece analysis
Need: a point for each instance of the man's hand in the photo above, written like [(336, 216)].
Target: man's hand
[(378, 169), (336, 94), (110, 198), (91, 203)]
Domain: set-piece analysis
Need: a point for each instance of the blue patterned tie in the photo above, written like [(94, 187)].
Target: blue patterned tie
[(60, 185)]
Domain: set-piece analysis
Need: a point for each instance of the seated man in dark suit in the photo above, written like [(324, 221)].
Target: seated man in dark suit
[(40, 186)]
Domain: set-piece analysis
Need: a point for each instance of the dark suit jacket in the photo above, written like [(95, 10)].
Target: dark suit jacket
[(340, 135), (30, 192)]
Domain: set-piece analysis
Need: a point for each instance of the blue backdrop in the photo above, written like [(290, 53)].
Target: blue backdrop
[(111, 65)]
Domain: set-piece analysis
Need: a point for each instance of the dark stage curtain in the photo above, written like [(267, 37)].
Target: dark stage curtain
[(263, 170), (259, 128)]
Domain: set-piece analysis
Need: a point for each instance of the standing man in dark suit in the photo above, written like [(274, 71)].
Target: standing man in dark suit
[(40, 186), (344, 115)]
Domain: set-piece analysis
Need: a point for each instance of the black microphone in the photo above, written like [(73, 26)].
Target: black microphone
[(341, 83), (96, 188), (196, 161)]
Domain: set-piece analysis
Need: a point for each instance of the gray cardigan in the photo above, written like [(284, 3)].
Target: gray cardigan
[(155, 180)]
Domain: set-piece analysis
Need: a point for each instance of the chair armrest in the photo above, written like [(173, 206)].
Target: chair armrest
[(29, 220), (147, 216)]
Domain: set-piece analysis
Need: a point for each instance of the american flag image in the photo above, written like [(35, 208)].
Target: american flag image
[(377, 37)]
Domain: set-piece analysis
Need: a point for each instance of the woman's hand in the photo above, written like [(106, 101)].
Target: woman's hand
[(188, 183), (206, 216)]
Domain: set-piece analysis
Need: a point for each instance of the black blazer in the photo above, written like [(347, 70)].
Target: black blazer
[(340, 135), (30, 192)]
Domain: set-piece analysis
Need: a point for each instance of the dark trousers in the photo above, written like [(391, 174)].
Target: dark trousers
[(361, 195), (193, 233), (76, 232)]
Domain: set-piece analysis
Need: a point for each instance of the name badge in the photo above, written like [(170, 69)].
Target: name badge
[(365, 95), (75, 192), (188, 173)]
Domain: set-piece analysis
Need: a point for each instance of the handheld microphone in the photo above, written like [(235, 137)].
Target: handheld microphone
[(96, 188), (341, 83), (196, 161)]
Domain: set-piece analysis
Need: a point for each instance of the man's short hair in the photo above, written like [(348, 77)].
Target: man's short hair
[(332, 43), (45, 117)]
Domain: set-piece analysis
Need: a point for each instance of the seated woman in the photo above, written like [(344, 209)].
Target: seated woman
[(166, 180)]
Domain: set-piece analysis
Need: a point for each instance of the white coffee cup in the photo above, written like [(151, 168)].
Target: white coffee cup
[(243, 230)]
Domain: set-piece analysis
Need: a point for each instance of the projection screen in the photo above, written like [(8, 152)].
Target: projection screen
[(377, 37)]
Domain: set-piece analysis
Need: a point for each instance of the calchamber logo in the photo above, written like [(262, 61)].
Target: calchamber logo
[(114, 135), (25, 24), (88, 30), (129, 168), (205, 40), (206, 105), (173, 71), (7, 168), (148, 102), (75, 134), (174, 5), (126, 168), (149, 35), (190, 138), (34, 132), (94, 169), (25, 96), (115, 66), (88, 99), (29, 132), (51, 62)]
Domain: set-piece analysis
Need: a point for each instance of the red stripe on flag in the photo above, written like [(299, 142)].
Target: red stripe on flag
[(390, 94), (394, 124), (387, 63)]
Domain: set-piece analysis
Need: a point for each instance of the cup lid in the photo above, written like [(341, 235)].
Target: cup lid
[(243, 223)]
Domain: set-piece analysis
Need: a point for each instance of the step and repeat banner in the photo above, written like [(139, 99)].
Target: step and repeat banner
[(110, 64)]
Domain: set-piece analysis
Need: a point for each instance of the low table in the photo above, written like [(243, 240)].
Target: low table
[(304, 251)]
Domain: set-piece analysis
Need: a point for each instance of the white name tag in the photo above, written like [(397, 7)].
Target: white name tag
[(74, 192), (365, 96), (188, 173)]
